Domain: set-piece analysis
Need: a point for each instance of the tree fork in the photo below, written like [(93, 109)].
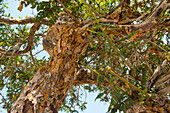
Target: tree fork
[(47, 90)]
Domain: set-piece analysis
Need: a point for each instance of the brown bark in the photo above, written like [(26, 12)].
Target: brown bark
[(47, 90), (24, 21), (160, 104)]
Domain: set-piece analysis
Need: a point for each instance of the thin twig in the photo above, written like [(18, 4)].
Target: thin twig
[(4, 99), (38, 52), (78, 93), (158, 46), (68, 12), (33, 58), (149, 67), (124, 80), (114, 9), (98, 14), (64, 7)]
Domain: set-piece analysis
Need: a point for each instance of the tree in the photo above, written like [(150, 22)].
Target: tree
[(120, 48)]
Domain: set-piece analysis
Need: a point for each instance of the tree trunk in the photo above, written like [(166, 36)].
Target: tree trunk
[(47, 90)]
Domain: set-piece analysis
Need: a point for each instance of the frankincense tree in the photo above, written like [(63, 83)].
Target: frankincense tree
[(117, 47)]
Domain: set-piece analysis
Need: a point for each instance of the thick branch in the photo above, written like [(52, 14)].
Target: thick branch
[(159, 78), (29, 38), (163, 79), (87, 76), (159, 9), (164, 91), (27, 20)]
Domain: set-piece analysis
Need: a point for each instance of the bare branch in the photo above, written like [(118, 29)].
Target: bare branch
[(33, 58), (158, 74), (4, 99), (64, 7), (38, 52), (163, 79), (27, 20), (158, 46), (159, 9), (33, 29), (114, 9), (165, 90)]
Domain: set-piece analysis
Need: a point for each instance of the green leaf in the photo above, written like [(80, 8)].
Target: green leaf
[(99, 96), (99, 81), (144, 77), (4, 5), (1, 43), (127, 37)]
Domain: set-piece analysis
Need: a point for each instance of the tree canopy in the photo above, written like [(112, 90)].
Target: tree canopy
[(120, 48)]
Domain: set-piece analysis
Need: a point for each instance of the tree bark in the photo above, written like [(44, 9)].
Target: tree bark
[(161, 104)]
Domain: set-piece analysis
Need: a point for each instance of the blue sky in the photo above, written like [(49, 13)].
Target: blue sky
[(92, 106)]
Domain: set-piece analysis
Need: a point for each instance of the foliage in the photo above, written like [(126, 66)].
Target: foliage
[(15, 70), (133, 60)]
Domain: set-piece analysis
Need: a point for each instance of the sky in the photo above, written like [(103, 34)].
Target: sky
[(92, 105)]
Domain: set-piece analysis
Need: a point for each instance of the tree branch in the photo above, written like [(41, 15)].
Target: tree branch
[(33, 29), (159, 78), (114, 9), (164, 91), (159, 9), (27, 20), (87, 76), (64, 7), (30, 36), (98, 14)]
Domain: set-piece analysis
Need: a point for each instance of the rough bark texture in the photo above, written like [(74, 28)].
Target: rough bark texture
[(160, 104), (65, 42), (47, 90)]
